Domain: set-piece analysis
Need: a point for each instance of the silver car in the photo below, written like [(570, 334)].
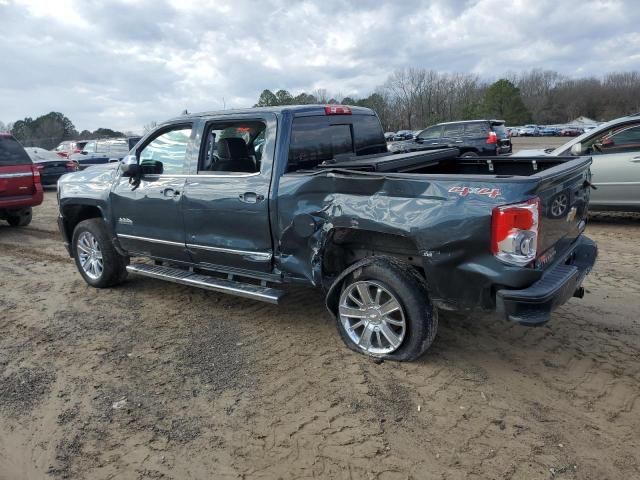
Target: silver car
[(615, 149)]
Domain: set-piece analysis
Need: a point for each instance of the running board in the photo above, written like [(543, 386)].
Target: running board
[(185, 277)]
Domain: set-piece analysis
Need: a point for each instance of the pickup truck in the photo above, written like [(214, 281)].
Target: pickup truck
[(20, 183), (243, 201)]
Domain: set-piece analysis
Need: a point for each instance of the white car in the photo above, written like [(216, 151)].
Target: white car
[(615, 149)]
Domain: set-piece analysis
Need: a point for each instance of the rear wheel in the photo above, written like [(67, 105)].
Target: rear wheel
[(96, 258), (469, 155), (384, 311), (21, 218)]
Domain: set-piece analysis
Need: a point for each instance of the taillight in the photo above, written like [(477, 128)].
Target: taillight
[(36, 174), (492, 138), (514, 232), (337, 110)]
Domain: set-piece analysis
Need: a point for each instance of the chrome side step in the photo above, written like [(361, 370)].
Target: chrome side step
[(185, 277)]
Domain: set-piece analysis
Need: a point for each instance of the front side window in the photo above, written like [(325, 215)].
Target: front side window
[(90, 147), (233, 147), (615, 140), (431, 133), (165, 154)]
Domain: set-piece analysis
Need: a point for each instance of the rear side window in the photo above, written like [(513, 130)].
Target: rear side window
[(453, 130), (11, 152), (317, 139), (475, 130)]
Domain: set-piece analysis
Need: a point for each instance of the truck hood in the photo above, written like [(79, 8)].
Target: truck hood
[(94, 179)]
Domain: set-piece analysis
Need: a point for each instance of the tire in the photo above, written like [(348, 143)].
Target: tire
[(20, 219), (469, 155), (91, 239), (415, 322)]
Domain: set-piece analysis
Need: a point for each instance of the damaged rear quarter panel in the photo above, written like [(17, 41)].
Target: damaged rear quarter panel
[(450, 231)]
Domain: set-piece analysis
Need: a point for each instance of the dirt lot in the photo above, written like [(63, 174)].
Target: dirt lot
[(154, 380)]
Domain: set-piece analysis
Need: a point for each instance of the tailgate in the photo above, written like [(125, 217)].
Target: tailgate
[(16, 180), (564, 198)]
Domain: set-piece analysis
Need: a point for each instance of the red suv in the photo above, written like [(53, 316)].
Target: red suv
[(20, 186)]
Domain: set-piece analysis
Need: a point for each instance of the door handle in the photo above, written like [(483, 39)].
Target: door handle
[(251, 197), (434, 143), (636, 159), (170, 192)]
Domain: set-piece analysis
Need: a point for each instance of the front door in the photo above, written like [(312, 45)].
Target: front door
[(226, 203), (148, 217)]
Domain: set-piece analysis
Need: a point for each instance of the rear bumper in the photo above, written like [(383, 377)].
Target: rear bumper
[(533, 305), (20, 202)]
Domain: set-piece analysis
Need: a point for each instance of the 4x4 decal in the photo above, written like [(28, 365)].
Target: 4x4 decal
[(464, 191)]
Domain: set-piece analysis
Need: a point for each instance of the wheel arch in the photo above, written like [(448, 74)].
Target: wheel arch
[(347, 249)]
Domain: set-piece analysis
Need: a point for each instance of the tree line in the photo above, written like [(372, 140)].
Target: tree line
[(47, 131), (413, 98)]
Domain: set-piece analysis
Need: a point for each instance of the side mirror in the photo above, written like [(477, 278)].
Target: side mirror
[(130, 167), (84, 152), (576, 149)]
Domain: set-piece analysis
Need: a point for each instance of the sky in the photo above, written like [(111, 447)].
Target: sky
[(123, 63)]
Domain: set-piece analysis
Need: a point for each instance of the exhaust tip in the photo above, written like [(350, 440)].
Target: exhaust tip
[(579, 293)]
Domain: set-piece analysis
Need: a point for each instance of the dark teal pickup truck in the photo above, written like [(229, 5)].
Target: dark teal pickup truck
[(244, 201)]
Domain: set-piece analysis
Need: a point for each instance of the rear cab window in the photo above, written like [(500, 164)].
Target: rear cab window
[(11, 152), (316, 139)]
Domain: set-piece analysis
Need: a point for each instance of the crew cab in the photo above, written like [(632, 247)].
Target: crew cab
[(244, 201), (20, 185)]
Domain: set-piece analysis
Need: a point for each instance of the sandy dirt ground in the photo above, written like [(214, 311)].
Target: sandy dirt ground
[(153, 380)]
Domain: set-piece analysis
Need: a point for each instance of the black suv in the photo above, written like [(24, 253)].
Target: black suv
[(472, 137)]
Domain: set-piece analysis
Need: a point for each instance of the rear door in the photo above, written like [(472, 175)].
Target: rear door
[(16, 174), (452, 134)]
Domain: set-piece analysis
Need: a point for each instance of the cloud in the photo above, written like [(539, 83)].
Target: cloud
[(121, 64)]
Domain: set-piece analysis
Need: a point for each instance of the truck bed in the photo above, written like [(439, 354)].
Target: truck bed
[(446, 161)]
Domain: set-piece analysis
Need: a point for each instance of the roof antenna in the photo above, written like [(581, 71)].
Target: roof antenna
[(185, 112)]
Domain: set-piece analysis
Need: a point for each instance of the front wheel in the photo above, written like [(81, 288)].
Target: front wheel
[(384, 311), (469, 155), (96, 258)]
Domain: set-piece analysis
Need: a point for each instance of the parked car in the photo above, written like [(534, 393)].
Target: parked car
[(102, 151), (549, 132), (571, 132), (69, 147), (389, 238), (615, 149), (20, 187), (513, 131), (471, 137), (388, 136), (50, 165), (529, 131)]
